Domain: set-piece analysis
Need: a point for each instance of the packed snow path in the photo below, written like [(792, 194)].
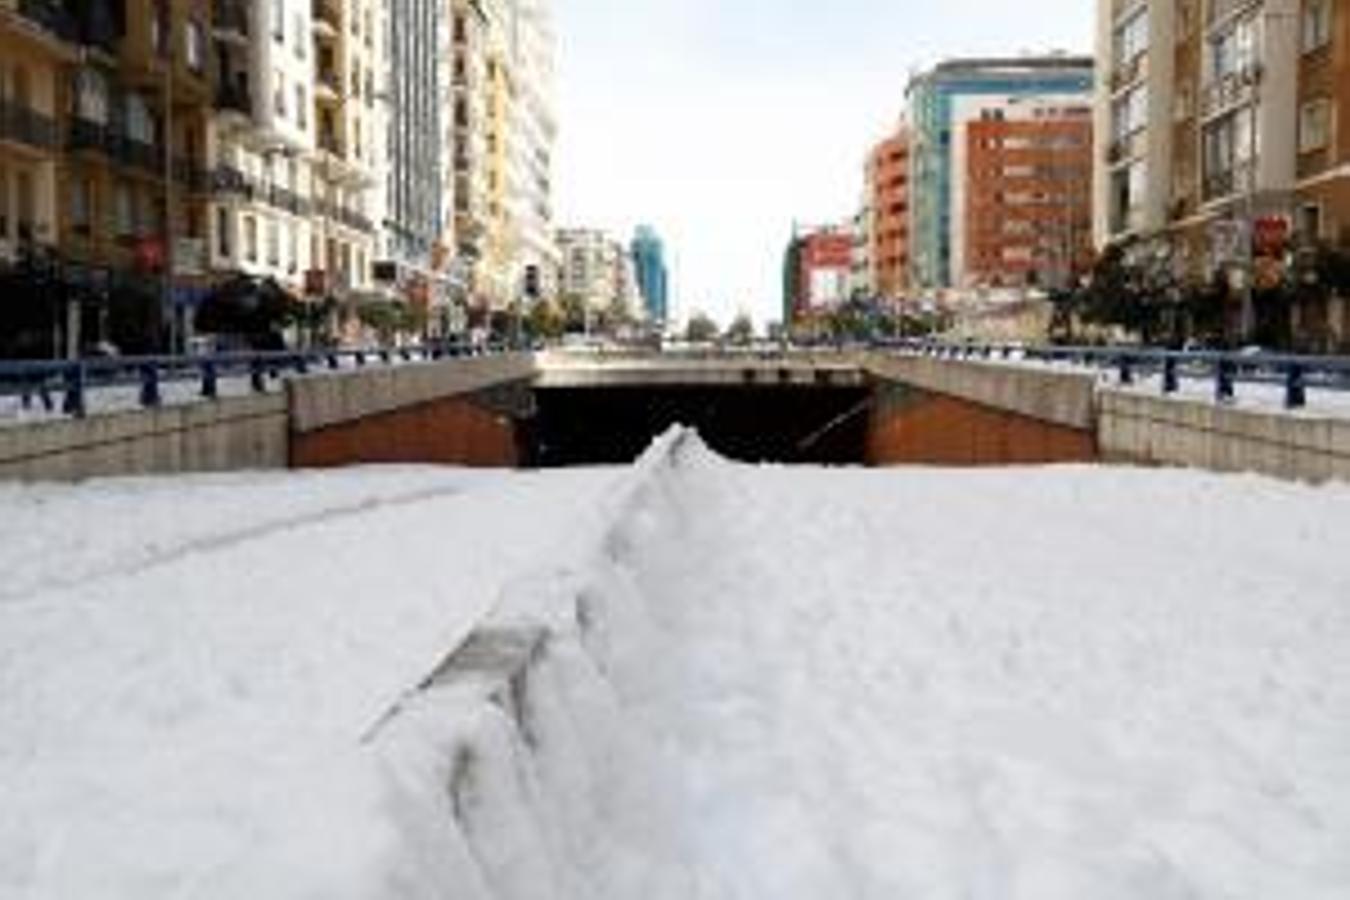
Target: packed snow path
[(754, 683)]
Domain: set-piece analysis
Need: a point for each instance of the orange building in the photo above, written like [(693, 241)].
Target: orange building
[(1028, 204), (888, 187)]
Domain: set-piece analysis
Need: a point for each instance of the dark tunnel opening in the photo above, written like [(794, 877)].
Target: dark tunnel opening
[(790, 424)]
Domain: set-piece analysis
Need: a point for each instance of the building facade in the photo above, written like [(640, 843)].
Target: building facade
[(1027, 194), (824, 274), (941, 103), (1226, 148), (414, 252), (649, 264), (888, 192)]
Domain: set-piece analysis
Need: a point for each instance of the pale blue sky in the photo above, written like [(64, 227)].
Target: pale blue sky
[(720, 121)]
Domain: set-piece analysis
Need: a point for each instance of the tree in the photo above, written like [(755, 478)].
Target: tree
[(700, 329), (741, 331), (546, 321), (574, 313)]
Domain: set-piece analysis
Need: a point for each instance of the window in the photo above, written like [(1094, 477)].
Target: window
[(279, 93), (293, 239), (1233, 52), (91, 96), (301, 108), (27, 204), (356, 80), (1316, 25), (1129, 114), (273, 243), (370, 29), (81, 199), (1309, 226), (279, 22), (251, 239), (4, 204), (298, 29), (140, 127), (1131, 39), (194, 46), (223, 232), (122, 216), (1314, 125)]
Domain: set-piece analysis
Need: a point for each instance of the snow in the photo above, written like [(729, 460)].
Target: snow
[(755, 682)]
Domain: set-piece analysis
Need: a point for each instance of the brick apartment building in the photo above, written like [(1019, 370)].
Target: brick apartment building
[(888, 194), (1028, 206)]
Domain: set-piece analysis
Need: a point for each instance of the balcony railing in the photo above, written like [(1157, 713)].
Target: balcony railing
[(27, 126), (287, 201), (327, 13), (227, 179), (50, 15), (1231, 90), (329, 79), (235, 98)]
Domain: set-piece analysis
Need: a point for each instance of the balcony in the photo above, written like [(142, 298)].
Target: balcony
[(24, 125), (327, 85), (327, 17), (1234, 89), (287, 201), (229, 19), (235, 98), (49, 16), (227, 180)]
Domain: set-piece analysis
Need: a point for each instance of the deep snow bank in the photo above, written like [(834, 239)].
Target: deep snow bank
[(1026, 684)]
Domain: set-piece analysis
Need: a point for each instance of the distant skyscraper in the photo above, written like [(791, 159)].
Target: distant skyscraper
[(649, 261)]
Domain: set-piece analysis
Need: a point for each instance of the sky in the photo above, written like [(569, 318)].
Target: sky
[(721, 122)]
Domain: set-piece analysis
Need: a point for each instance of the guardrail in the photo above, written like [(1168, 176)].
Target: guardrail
[(1296, 373), (43, 381)]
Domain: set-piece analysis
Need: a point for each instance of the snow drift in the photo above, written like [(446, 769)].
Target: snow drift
[(740, 682)]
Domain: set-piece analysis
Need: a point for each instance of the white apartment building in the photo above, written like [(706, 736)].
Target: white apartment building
[(263, 140), (596, 269)]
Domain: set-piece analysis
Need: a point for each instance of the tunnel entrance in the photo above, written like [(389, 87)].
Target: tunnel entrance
[(805, 424)]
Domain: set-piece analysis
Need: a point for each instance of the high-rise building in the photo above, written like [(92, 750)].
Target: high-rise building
[(942, 102), (888, 197), (415, 236), (1026, 189), (1220, 152), (649, 261), (504, 129), (596, 271)]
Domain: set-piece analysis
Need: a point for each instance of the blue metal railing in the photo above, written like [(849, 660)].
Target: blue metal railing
[(1225, 370), (67, 384)]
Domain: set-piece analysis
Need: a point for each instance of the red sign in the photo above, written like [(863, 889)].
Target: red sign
[(148, 255), (1269, 234)]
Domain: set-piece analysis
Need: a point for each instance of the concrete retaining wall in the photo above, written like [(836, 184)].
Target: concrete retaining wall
[(1057, 398), (231, 434), (1198, 434), (327, 399)]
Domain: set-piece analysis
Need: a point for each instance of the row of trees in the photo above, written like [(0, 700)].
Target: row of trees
[(1145, 296)]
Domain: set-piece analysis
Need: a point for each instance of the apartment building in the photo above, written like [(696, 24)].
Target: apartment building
[(888, 198), (35, 54), (1322, 191), (347, 171), (535, 130), (942, 102), (597, 270), (264, 141), (1225, 147), (1026, 190)]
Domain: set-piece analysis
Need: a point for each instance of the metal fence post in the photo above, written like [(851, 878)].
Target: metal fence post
[(150, 396), (1295, 387)]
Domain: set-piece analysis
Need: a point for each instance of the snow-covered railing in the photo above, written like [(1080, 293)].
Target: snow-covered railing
[(1226, 369), (43, 381)]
